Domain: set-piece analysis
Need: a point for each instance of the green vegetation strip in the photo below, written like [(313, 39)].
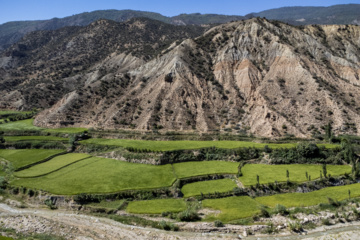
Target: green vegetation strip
[(205, 187), (35, 138), (231, 208), (180, 145), (23, 125), (8, 112), (52, 165), (66, 130), (27, 125), (297, 172), (312, 198), (191, 169), (108, 204), (24, 157), (157, 206), (101, 175)]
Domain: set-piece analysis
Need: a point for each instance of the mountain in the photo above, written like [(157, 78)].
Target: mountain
[(11, 32), (337, 14), (252, 76)]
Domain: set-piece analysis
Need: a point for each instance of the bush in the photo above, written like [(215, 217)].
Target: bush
[(264, 212), (295, 227), (167, 226), (188, 216), (218, 223), (325, 221), (281, 210)]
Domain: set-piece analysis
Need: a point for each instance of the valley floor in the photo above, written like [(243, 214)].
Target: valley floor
[(74, 225)]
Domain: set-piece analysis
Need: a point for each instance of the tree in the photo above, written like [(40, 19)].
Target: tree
[(324, 170), (320, 174), (258, 179), (287, 174), (349, 192), (307, 176), (328, 131), (2, 139)]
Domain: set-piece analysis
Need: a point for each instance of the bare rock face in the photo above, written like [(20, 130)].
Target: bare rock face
[(254, 76)]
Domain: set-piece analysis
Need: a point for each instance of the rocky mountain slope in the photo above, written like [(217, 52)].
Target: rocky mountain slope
[(255, 76)]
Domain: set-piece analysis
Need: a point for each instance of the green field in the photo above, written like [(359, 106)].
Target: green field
[(205, 187), (231, 208), (156, 206), (190, 169), (108, 204), (297, 172), (66, 130), (52, 165), (24, 157), (101, 175), (23, 125), (34, 138), (8, 112), (179, 145), (312, 198), (27, 125)]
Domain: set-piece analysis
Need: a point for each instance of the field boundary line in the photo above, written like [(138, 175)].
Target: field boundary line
[(41, 175), (173, 169), (42, 161)]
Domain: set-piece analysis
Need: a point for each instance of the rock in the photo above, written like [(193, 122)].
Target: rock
[(245, 234)]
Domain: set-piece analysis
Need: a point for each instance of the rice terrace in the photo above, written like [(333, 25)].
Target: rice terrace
[(226, 181), (184, 124)]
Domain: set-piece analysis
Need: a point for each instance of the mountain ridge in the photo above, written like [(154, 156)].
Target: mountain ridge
[(11, 32), (254, 76)]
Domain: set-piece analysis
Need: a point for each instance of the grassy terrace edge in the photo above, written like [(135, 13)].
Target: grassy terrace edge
[(186, 144)]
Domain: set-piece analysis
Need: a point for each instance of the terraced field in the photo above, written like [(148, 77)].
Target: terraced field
[(312, 198), (52, 165), (205, 187), (297, 172), (27, 125), (24, 157), (157, 206), (181, 145), (34, 138), (108, 204), (66, 130), (23, 125), (191, 169), (231, 208), (101, 175)]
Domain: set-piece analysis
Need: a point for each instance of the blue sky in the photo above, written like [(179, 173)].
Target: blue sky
[(12, 10)]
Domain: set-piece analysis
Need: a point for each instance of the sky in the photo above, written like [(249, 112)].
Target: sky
[(14, 10)]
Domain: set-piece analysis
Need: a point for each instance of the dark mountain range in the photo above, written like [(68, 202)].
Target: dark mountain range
[(255, 76), (337, 14), (11, 32)]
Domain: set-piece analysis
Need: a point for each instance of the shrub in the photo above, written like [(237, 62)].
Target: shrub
[(50, 204), (218, 223), (295, 227), (167, 226), (325, 221), (188, 216), (281, 210), (264, 212)]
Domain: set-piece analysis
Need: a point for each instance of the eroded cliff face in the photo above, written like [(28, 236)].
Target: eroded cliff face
[(254, 76)]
